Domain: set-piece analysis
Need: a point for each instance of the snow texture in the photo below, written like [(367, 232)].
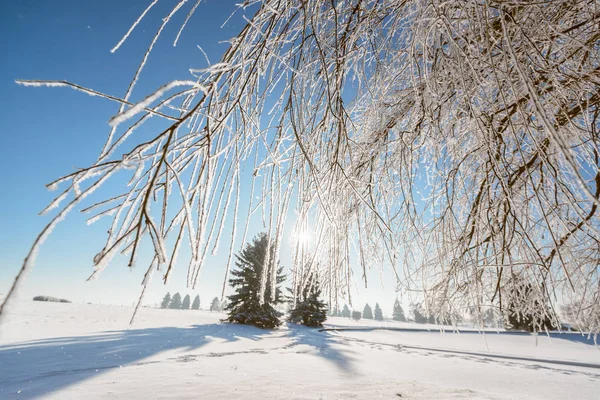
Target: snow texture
[(70, 351)]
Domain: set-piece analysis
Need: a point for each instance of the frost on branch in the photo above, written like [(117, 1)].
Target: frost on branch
[(455, 142)]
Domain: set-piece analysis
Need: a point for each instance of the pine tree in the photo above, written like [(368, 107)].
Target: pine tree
[(378, 313), (346, 312), (335, 312), (244, 306), (398, 314), (186, 302), (419, 317), (356, 315), (310, 310), (490, 319), (524, 319), (196, 303), (176, 302), (166, 301), (215, 305), (367, 312)]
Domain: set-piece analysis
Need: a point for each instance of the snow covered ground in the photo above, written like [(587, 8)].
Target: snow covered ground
[(74, 351)]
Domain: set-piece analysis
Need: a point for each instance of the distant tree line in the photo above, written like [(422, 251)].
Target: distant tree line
[(369, 313), (513, 317), (176, 303), (51, 299)]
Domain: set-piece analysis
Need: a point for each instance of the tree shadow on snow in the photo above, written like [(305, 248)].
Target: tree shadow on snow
[(38, 368), (323, 345)]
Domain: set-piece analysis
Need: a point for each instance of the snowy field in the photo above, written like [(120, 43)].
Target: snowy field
[(75, 351)]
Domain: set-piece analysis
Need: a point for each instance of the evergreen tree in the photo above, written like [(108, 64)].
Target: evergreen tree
[(490, 319), (215, 305), (398, 314), (431, 320), (176, 302), (356, 315), (244, 306), (224, 304), (417, 312), (186, 302), (196, 303), (346, 312), (310, 311), (367, 312), (378, 313), (166, 301), (518, 319), (335, 312)]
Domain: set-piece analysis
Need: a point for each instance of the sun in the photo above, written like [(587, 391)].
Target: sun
[(303, 237)]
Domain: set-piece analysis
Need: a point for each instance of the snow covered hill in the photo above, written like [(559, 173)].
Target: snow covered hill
[(73, 351)]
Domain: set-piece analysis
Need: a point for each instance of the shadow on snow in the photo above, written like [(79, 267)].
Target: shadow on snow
[(322, 344), (38, 368)]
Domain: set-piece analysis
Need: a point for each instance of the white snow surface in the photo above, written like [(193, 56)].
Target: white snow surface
[(74, 351)]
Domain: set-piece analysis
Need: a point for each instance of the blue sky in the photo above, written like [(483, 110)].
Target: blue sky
[(46, 132)]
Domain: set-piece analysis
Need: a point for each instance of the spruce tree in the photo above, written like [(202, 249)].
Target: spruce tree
[(417, 312), (346, 312), (378, 313), (521, 318), (356, 315), (215, 305), (367, 312), (310, 310), (176, 302), (398, 314), (490, 318), (224, 304), (196, 303), (244, 305), (185, 305), (335, 312), (166, 302)]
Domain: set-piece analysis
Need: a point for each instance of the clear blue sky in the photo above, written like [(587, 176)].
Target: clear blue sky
[(46, 132)]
